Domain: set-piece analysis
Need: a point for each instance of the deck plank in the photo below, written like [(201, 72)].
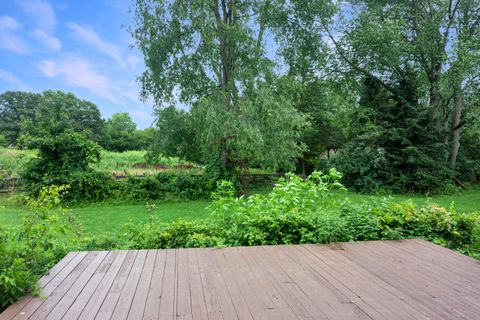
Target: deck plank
[(96, 299), (408, 279), (22, 302), (408, 276), (110, 301), (128, 293), (140, 298), (152, 305)]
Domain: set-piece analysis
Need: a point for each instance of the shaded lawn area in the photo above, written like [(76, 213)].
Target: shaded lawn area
[(110, 217)]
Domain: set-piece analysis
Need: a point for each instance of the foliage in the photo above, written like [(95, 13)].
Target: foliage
[(60, 157), (305, 211), (3, 141), (120, 133), (213, 58), (175, 135), (16, 107), (46, 235), (388, 219), (94, 186), (328, 109), (393, 145), (13, 161), (52, 112)]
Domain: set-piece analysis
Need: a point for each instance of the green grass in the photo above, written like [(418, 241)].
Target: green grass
[(110, 217), (101, 218), (125, 163), (12, 161)]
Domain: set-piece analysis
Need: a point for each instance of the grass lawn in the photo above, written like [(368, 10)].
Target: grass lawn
[(101, 218), (108, 217)]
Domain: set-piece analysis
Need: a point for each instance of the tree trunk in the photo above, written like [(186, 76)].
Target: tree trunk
[(457, 113)]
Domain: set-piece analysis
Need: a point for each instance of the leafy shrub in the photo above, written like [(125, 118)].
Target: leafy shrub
[(3, 141), (387, 219), (178, 234), (60, 158), (45, 236), (305, 211)]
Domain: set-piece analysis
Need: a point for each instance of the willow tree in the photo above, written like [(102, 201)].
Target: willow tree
[(212, 57)]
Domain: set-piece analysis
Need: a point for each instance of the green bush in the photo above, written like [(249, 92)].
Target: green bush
[(47, 233), (305, 211), (3, 141), (387, 219)]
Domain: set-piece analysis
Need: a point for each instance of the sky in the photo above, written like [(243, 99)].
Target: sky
[(78, 46)]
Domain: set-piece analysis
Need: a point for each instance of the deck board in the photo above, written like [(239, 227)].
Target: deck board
[(409, 279)]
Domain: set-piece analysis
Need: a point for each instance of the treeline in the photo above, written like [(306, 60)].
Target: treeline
[(393, 86), (386, 91), (25, 116)]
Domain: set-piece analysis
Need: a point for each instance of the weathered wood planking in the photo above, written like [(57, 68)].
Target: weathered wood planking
[(410, 279)]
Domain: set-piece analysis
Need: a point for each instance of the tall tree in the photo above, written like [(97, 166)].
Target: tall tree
[(212, 56), (439, 39), (120, 133), (30, 114), (15, 108)]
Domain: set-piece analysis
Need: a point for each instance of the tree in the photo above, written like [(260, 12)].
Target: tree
[(393, 146), (212, 56), (439, 39), (120, 133), (389, 41), (25, 115), (175, 135), (15, 108)]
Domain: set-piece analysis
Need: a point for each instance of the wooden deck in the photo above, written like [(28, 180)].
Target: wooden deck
[(410, 279)]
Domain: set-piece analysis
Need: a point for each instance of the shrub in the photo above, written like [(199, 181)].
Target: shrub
[(304, 211), (61, 158), (46, 234), (387, 219)]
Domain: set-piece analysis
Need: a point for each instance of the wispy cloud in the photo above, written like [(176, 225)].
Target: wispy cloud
[(43, 13), (45, 20), (9, 38), (140, 115), (78, 72), (91, 38), (49, 41), (12, 80)]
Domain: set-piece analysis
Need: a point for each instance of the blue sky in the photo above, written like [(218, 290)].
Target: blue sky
[(75, 46)]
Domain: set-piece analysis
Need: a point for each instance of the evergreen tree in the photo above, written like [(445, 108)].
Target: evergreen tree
[(395, 145)]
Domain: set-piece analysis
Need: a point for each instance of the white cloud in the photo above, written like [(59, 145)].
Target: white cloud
[(49, 41), (9, 38), (79, 73), (133, 61), (42, 12), (11, 79), (91, 38)]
